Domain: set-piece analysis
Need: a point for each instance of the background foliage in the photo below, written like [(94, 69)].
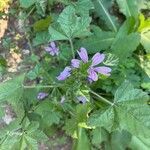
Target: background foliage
[(116, 115)]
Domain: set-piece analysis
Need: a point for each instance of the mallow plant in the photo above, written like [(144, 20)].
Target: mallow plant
[(88, 79)]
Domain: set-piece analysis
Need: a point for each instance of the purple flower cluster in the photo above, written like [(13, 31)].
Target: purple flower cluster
[(52, 49), (92, 71)]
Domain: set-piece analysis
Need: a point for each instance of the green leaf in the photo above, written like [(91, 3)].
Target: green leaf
[(83, 6), (100, 40), (129, 112), (139, 143), (48, 115), (126, 35), (72, 25), (128, 7), (12, 90), (99, 135), (42, 24), (120, 140), (27, 3), (69, 25), (41, 7), (102, 8), (56, 35), (34, 73), (22, 137), (41, 38), (125, 45)]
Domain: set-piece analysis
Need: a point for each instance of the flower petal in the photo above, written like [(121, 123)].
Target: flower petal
[(42, 95), (83, 54), (75, 63), (53, 45), (103, 70), (67, 68), (64, 74), (52, 49), (48, 49), (92, 74), (97, 59)]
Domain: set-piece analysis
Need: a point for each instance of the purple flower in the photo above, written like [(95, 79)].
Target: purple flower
[(96, 60), (64, 74), (52, 49), (42, 95), (82, 99), (75, 63)]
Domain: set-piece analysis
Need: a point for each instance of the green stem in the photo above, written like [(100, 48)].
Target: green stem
[(38, 86), (30, 12), (30, 46), (102, 98), (72, 48)]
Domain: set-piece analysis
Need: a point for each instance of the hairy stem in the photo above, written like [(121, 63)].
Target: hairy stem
[(102, 98), (39, 86)]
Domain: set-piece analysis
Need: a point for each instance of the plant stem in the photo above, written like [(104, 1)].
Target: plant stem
[(38, 86), (72, 48), (29, 12), (102, 98)]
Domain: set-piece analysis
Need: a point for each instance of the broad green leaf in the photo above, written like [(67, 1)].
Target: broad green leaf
[(100, 40), (12, 90), (129, 111), (27, 3), (128, 7), (48, 115), (102, 8), (72, 25), (56, 35), (126, 40), (42, 24), (125, 45)]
